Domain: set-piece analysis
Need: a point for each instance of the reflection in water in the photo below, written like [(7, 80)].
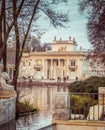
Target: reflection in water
[(34, 122), (41, 97), (44, 98)]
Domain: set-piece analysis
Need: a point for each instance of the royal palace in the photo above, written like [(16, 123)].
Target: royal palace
[(63, 61)]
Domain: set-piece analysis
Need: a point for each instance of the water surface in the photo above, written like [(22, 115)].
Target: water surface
[(34, 122)]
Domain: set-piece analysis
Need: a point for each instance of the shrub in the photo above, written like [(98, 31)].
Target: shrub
[(89, 85), (24, 107), (80, 104)]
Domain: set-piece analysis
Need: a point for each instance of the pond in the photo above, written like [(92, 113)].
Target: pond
[(34, 122)]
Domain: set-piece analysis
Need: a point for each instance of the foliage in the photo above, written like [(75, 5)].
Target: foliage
[(24, 107), (16, 20), (89, 85), (96, 26), (80, 104), (33, 44)]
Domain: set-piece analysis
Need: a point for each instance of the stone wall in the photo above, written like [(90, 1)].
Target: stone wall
[(7, 109), (79, 125)]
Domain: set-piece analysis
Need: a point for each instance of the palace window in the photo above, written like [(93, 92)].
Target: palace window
[(57, 62), (73, 63)]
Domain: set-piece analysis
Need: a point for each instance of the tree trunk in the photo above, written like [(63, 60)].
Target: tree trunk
[(2, 48), (18, 51), (5, 49), (17, 37)]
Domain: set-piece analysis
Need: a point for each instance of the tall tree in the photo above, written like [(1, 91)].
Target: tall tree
[(30, 12), (6, 24), (96, 27), (4, 30), (16, 17)]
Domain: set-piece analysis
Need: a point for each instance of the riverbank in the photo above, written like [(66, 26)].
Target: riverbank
[(24, 108)]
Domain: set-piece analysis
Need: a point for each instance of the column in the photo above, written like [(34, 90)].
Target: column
[(59, 71), (59, 63), (51, 68), (65, 68), (68, 71), (51, 98), (45, 69), (42, 101), (54, 70), (45, 97)]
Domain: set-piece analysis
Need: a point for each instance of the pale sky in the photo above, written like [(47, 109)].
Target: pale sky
[(76, 27)]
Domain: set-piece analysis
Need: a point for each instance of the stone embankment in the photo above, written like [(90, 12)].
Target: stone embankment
[(7, 105)]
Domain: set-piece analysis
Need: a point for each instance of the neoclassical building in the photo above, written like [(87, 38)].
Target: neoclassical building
[(63, 60)]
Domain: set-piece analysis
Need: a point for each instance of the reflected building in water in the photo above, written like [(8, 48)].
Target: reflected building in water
[(42, 96)]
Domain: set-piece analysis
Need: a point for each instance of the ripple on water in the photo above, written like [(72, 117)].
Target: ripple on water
[(34, 122)]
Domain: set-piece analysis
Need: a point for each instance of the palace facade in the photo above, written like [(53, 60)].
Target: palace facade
[(63, 61)]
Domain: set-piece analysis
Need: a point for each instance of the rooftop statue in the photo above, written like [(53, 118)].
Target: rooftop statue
[(4, 85), (55, 38), (70, 38)]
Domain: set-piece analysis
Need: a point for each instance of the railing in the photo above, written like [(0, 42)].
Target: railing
[(49, 127), (87, 106), (41, 84)]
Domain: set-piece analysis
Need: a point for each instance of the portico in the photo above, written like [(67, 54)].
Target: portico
[(63, 61), (55, 68)]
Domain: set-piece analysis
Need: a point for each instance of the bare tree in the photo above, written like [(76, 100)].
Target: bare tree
[(96, 27), (34, 8), (6, 25), (18, 18)]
